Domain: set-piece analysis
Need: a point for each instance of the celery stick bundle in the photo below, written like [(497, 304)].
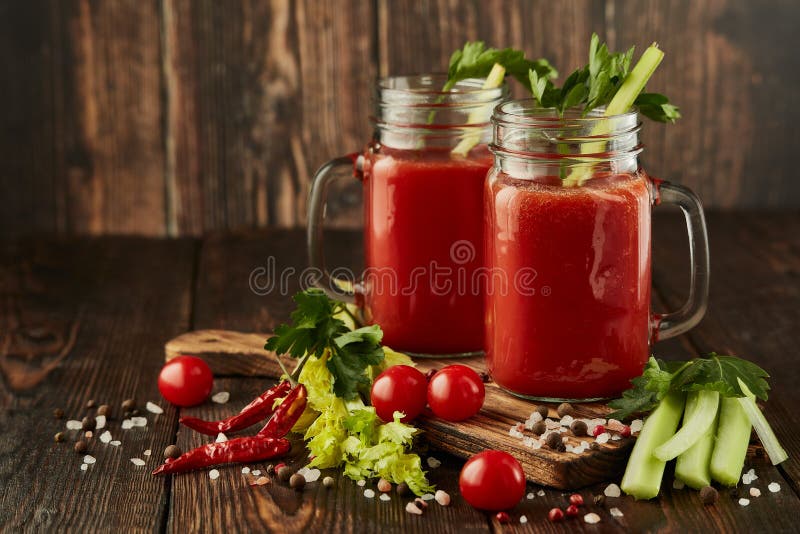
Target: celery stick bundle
[(715, 397)]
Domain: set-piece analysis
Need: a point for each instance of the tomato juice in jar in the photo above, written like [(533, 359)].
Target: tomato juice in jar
[(568, 227)]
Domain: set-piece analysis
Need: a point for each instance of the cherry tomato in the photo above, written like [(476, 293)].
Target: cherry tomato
[(492, 480), (456, 393), (185, 381), (400, 388)]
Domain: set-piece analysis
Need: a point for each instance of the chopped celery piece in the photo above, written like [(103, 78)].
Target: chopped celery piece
[(495, 79), (621, 103), (768, 438), (692, 466), (643, 474), (733, 437), (694, 425)]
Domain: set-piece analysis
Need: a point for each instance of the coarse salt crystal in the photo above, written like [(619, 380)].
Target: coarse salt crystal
[(412, 508), (221, 438), (245, 470), (551, 425), (369, 494), (636, 425), (612, 490), (385, 497), (139, 421), (115, 443), (137, 461), (774, 487), (567, 420), (100, 421), (523, 520), (153, 408), (603, 438), (126, 424), (72, 424), (89, 459), (262, 481), (569, 448), (591, 518), (362, 483), (537, 444), (616, 512), (678, 484), (312, 475), (755, 492), (84, 467), (565, 439), (536, 417), (616, 437), (752, 472), (148, 452), (747, 479), (530, 496), (213, 474), (540, 493), (744, 502), (428, 497), (615, 425), (105, 437), (433, 463), (221, 398), (257, 472)]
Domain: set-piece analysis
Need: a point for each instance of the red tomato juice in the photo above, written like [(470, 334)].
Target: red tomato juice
[(423, 240), (585, 331)]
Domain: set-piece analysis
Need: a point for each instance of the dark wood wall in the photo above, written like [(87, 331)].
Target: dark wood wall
[(177, 117)]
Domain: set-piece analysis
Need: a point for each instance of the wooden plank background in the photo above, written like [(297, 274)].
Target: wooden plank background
[(179, 117)]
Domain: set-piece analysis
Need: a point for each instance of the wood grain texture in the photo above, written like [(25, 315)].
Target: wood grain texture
[(109, 293), (80, 144), (255, 104)]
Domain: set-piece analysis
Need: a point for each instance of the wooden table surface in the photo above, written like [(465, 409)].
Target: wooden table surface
[(85, 319)]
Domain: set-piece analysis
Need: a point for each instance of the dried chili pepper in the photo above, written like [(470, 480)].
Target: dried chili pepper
[(242, 450), (287, 414), (258, 410)]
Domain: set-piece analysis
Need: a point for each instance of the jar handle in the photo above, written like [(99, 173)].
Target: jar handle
[(334, 287), (675, 323)]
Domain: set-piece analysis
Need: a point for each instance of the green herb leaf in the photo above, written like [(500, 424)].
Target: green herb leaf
[(476, 61), (315, 330), (713, 373), (657, 107)]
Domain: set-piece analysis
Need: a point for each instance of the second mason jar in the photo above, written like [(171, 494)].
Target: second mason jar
[(567, 222), (422, 177)]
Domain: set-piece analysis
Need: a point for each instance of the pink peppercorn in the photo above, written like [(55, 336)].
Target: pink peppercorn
[(625, 432), (502, 517), (555, 515), (576, 499), (572, 510), (599, 429)]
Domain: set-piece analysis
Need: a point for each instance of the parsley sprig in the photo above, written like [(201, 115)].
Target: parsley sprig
[(713, 373), (316, 329)]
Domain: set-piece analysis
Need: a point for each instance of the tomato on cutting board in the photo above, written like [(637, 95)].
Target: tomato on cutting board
[(400, 388), (456, 393)]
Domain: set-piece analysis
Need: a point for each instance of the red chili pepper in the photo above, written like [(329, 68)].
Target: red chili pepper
[(259, 409), (287, 414), (242, 450)]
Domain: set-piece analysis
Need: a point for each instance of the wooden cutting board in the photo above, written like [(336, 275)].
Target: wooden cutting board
[(242, 354)]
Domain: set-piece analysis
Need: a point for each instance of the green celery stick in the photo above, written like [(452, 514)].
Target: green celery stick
[(769, 440), (694, 425), (494, 80), (733, 437), (643, 474), (621, 103), (692, 466)]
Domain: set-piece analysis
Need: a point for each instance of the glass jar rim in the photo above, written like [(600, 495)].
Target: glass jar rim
[(529, 113)]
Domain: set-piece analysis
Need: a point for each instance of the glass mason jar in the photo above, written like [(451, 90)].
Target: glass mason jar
[(423, 176), (567, 222)]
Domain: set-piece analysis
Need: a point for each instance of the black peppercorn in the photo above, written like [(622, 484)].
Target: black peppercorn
[(708, 495), (297, 481), (579, 428), (542, 410), (88, 423)]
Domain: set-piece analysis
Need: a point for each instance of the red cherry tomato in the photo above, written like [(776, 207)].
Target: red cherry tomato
[(185, 381), (400, 388), (456, 393), (492, 481)]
